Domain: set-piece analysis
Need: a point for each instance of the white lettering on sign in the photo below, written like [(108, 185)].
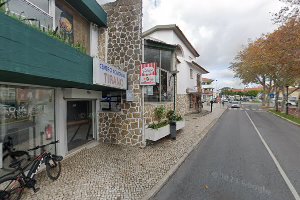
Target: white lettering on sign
[(106, 75)]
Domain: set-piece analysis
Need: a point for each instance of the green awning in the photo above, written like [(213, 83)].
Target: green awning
[(91, 10)]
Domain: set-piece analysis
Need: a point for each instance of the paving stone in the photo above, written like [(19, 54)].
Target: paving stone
[(121, 172)]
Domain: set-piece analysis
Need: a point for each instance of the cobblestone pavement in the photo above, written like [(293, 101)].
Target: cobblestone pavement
[(121, 172)]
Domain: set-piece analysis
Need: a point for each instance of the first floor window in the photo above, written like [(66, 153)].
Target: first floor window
[(163, 91)]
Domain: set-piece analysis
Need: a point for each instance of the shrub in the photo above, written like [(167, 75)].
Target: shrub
[(160, 113)]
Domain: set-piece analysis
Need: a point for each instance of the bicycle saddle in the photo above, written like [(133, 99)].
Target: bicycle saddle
[(16, 163)]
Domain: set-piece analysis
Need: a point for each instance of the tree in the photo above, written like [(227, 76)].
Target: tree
[(251, 65), (272, 60), (289, 11)]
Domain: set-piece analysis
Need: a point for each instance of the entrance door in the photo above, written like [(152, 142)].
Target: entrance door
[(80, 123)]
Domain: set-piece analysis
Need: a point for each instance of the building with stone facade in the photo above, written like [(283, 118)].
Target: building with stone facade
[(87, 90), (169, 47)]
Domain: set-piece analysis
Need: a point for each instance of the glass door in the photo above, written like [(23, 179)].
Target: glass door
[(80, 123)]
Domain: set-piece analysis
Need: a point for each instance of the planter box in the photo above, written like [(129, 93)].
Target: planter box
[(180, 124), (156, 134)]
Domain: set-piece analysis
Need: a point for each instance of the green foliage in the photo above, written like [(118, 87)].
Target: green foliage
[(172, 117), (2, 8), (179, 118), (159, 125), (78, 46), (290, 117), (170, 114), (160, 113)]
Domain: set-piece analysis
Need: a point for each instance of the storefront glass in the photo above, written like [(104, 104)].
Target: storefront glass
[(80, 122), (26, 120), (163, 90)]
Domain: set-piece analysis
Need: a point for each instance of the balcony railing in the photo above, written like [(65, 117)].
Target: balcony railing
[(29, 13)]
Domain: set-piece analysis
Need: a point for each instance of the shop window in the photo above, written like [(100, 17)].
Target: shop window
[(163, 90), (26, 118), (64, 23), (111, 101), (166, 60)]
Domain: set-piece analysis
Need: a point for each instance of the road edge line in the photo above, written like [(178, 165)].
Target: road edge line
[(282, 173), (157, 187), (285, 118)]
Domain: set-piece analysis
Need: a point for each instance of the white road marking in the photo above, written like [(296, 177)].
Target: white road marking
[(283, 174)]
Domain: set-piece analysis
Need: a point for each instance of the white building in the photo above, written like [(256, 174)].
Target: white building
[(184, 61)]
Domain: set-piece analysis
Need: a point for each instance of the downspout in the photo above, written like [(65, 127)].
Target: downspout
[(143, 101)]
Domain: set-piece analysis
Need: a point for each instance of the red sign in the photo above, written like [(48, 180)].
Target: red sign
[(147, 74)]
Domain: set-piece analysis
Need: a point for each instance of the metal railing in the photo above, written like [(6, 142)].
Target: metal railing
[(30, 14)]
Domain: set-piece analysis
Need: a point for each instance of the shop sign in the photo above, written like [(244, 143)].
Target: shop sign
[(148, 74), (106, 75), (129, 95)]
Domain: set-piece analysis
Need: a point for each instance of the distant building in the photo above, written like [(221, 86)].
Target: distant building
[(207, 89)]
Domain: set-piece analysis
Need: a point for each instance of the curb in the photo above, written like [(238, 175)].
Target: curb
[(150, 194), (285, 118)]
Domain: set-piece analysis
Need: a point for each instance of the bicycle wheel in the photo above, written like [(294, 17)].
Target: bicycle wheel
[(11, 188), (53, 169)]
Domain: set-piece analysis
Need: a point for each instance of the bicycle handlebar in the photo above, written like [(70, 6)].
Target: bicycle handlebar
[(42, 146)]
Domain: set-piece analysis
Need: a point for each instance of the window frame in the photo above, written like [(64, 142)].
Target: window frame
[(160, 69)]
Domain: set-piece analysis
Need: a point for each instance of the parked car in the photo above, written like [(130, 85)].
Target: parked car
[(292, 103), (235, 104)]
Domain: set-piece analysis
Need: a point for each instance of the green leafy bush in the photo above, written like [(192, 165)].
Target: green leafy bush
[(159, 125), (160, 113), (78, 46), (171, 117)]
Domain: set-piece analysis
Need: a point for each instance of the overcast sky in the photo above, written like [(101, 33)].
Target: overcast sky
[(217, 28)]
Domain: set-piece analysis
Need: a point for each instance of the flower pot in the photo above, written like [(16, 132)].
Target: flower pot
[(180, 124), (156, 134)]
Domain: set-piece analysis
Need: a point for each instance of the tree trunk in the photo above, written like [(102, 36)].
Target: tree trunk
[(276, 98), (264, 95)]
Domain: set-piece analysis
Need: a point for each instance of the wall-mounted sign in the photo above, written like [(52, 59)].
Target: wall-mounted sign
[(129, 95), (150, 90), (106, 75), (147, 74)]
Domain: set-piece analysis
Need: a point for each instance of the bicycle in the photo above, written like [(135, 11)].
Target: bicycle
[(12, 152), (12, 187)]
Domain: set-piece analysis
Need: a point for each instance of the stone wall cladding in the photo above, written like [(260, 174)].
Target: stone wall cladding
[(182, 104), (124, 51), (149, 111)]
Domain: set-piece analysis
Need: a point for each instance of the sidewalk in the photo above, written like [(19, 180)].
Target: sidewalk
[(122, 172)]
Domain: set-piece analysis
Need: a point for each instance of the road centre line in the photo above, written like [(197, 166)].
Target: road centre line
[(283, 174)]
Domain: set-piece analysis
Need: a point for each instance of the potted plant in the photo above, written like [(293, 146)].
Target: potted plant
[(180, 123), (160, 129)]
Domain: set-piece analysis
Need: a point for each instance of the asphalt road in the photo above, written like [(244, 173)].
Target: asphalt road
[(232, 163)]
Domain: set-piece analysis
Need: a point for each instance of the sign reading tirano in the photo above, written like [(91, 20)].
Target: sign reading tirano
[(106, 75), (147, 74)]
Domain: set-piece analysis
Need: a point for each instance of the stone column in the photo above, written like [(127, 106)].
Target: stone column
[(124, 51)]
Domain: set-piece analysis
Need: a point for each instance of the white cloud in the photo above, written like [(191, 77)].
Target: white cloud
[(217, 28)]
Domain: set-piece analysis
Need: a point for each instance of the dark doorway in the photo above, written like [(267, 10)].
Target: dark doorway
[(79, 123)]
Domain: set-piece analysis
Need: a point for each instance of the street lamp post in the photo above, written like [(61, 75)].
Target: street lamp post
[(173, 121)]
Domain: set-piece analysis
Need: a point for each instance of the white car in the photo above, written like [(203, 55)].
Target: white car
[(292, 103), (235, 104)]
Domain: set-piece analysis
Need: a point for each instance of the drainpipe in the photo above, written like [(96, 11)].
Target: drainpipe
[(143, 102)]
